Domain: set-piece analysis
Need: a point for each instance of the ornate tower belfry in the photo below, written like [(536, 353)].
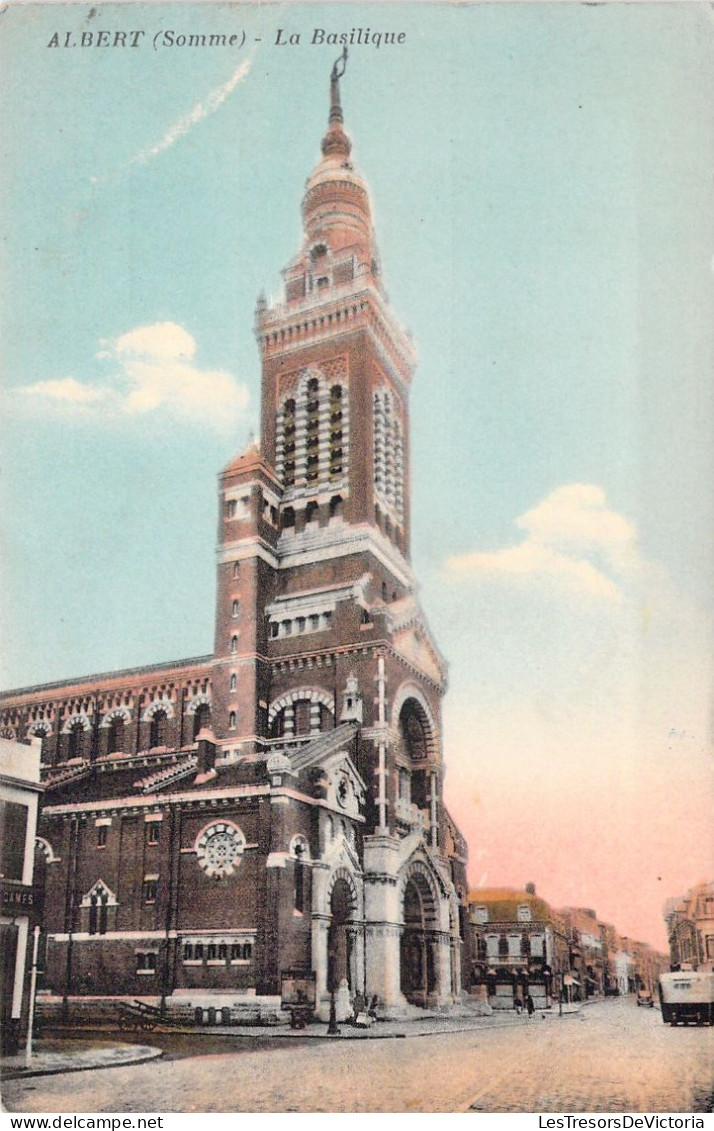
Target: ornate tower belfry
[(337, 366)]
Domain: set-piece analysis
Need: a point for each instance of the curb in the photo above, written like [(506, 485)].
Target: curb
[(152, 1053), (347, 1033), (27, 1074)]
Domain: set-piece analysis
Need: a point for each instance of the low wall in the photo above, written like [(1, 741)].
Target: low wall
[(191, 1011)]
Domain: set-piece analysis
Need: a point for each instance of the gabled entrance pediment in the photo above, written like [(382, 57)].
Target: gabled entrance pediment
[(346, 791), (340, 853)]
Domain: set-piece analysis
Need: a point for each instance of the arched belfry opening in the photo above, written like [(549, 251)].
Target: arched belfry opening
[(416, 742), (418, 958), (414, 731)]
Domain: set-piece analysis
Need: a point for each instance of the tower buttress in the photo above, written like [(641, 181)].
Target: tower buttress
[(249, 501)]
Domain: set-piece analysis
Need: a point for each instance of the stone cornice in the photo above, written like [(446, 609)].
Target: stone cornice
[(87, 685), (208, 798)]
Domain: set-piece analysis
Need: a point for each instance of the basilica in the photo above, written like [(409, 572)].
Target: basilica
[(210, 823)]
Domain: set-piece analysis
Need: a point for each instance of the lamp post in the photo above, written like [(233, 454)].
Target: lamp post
[(33, 989)]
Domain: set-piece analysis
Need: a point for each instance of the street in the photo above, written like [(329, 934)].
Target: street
[(611, 1057)]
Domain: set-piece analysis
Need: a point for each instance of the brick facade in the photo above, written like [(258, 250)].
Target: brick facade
[(277, 804)]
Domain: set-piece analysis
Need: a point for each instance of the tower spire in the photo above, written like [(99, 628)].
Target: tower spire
[(336, 140)]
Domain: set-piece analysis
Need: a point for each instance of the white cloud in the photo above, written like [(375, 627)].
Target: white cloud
[(66, 389), (576, 519), (201, 110), (161, 340), (155, 370), (572, 538)]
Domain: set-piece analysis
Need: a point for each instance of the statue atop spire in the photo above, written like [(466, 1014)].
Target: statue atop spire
[(338, 71), (336, 140)]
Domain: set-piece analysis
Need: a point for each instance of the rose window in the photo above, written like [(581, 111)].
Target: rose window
[(219, 849)]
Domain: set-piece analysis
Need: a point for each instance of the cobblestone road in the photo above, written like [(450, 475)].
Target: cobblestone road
[(610, 1057)]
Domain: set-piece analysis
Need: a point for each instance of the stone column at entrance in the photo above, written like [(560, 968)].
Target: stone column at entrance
[(356, 934), (383, 965), (442, 961), (320, 929), (382, 920)]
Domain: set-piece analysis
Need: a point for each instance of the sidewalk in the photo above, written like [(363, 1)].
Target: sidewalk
[(53, 1056), (426, 1025), (429, 1025)]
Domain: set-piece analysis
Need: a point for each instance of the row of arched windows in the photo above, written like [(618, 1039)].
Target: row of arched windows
[(79, 738), (217, 952), (388, 454), (291, 519), (312, 436)]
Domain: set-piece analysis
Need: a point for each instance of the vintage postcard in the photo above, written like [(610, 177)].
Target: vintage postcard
[(357, 421)]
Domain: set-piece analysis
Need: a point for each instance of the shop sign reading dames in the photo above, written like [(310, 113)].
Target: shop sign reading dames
[(20, 899)]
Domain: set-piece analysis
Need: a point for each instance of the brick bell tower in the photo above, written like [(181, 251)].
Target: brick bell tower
[(318, 626), (337, 366)]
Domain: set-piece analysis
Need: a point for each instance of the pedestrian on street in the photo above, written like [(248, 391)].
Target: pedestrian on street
[(530, 1006)]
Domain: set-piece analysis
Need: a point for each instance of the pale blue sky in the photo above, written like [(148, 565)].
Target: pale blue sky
[(541, 180)]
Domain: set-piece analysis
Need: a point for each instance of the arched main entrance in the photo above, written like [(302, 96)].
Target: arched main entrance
[(340, 937), (417, 956)]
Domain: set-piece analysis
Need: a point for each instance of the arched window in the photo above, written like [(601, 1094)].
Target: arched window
[(201, 719), (389, 454), (159, 729), (336, 506), (302, 716), (312, 512), (234, 644), (98, 912), (286, 448), (413, 731), (76, 737), (235, 609), (234, 682), (299, 902), (236, 569), (288, 518), (115, 742), (232, 720)]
